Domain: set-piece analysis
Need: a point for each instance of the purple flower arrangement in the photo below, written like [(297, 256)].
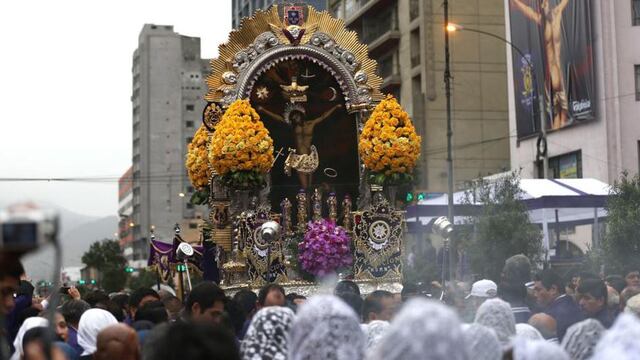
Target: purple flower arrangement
[(325, 248)]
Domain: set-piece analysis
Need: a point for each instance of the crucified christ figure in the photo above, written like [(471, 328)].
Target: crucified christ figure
[(302, 132), (550, 19)]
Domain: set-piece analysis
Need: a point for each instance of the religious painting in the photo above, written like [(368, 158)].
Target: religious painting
[(303, 108), (556, 39)]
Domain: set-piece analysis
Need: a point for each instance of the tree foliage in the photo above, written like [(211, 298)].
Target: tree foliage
[(106, 257), (621, 244), (501, 228), (145, 279)]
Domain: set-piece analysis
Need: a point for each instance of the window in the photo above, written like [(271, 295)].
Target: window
[(189, 205), (635, 12), (637, 68), (189, 140), (375, 26), (567, 166), (193, 226), (190, 107), (415, 47), (189, 124), (414, 9)]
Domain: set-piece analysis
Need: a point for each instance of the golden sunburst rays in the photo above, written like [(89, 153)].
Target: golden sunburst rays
[(271, 21)]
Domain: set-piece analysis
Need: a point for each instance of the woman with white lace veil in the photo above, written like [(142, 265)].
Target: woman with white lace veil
[(497, 315), (525, 349), (482, 342), (620, 342), (581, 338), (326, 328), (424, 329), (266, 338)]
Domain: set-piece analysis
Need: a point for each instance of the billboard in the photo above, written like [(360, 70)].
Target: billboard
[(555, 63)]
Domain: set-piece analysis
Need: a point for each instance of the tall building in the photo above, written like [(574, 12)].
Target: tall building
[(245, 8), (168, 87), (407, 40), (608, 143)]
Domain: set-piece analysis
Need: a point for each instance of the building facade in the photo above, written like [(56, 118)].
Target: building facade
[(125, 210), (168, 87), (406, 37), (245, 8), (610, 143)]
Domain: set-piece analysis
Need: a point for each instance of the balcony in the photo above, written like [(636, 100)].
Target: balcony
[(384, 42), (356, 9)]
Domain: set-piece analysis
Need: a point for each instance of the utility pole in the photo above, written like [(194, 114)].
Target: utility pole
[(447, 253)]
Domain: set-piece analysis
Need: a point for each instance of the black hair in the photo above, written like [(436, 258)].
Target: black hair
[(236, 314), (373, 303), (11, 267), (549, 278), (27, 313), (346, 286), (112, 307), (38, 333), (295, 296), (511, 292), (594, 287), (584, 275), (172, 303), (96, 296), (354, 301), (72, 310), (121, 299), (197, 341), (137, 296), (264, 292), (617, 282), (205, 294), (153, 311), (247, 300), (25, 288)]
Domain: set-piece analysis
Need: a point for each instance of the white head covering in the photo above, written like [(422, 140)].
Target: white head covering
[(326, 328), (581, 338), (633, 305), (91, 323), (524, 349), (28, 324), (482, 342), (266, 337), (424, 329), (497, 315), (528, 332), (621, 341), (374, 331)]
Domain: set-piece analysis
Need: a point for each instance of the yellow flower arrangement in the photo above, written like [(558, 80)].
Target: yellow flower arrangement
[(241, 149), (389, 145), (198, 159)]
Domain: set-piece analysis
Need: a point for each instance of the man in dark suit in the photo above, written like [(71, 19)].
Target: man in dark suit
[(549, 293)]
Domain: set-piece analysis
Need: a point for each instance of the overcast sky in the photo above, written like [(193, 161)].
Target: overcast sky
[(65, 88)]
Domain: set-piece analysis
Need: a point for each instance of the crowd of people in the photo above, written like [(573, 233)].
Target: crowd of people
[(518, 317)]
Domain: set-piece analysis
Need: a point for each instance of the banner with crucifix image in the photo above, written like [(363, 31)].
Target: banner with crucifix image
[(556, 39)]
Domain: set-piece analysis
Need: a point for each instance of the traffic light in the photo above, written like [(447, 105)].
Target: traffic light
[(81, 282), (409, 197), (93, 282), (181, 267), (128, 269), (421, 196)]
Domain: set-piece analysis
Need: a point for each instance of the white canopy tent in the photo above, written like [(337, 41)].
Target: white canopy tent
[(563, 201)]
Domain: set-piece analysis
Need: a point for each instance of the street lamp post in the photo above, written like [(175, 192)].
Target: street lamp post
[(451, 27)]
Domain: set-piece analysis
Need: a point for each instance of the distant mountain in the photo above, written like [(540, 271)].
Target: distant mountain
[(78, 233)]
